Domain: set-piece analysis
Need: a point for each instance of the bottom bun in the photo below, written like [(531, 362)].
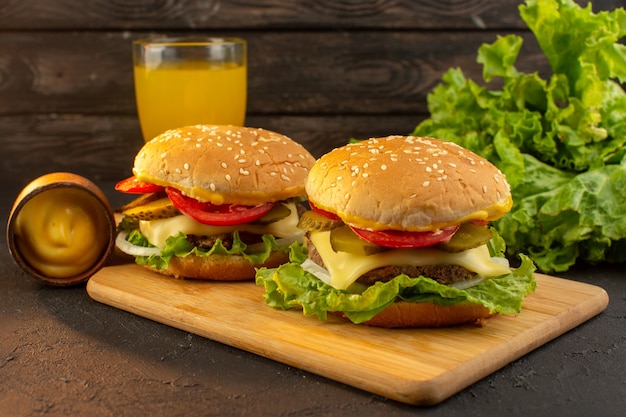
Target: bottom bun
[(406, 314), (218, 267)]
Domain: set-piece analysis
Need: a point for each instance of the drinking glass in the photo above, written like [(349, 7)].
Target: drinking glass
[(189, 80)]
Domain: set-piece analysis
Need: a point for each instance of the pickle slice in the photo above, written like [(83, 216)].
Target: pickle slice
[(143, 199), (468, 236), (316, 222), (153, 210), (343, 239), (278, 212)]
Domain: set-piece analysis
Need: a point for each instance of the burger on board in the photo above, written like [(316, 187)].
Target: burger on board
[(216, 202), (398, 236)]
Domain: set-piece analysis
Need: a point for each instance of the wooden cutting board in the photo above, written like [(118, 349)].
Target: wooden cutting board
[(414, 366)]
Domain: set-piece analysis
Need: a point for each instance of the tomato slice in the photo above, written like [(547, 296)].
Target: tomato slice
[(402, 239), (216, 214), (325, 213), (132, 185)]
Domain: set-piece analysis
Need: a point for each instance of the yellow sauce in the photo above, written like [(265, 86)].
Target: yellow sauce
[(62, 232)]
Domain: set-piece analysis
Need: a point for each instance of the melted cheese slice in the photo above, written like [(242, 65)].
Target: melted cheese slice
[(157, 231), (344, 268)]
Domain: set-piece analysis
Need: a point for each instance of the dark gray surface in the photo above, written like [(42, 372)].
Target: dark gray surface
[(63, 354)]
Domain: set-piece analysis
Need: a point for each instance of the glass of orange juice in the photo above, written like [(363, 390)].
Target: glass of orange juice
[(189, 80)]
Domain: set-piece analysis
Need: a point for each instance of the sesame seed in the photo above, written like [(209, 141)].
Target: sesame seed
[(243, 171), (484, 188), (383, 167), (228, 177), (186, 166), (223, 165), (425, 183)]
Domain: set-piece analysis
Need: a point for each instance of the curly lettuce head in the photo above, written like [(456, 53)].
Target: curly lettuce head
[(560, 141)]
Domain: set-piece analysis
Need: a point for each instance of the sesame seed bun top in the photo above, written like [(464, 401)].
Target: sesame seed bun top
[(225, 164), (407, 183)]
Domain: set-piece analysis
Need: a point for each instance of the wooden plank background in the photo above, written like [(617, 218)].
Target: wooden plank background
[(320, 71)]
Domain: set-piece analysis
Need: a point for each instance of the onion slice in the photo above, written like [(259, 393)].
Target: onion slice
[(134, 250), (315, 269), (468, 283)]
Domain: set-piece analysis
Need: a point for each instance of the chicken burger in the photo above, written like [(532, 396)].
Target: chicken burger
[(398, 236), (215, 202)]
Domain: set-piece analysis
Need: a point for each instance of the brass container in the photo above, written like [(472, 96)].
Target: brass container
[(61, 229)]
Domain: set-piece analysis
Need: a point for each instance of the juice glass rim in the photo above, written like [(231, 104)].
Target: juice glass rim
[(189, 40)]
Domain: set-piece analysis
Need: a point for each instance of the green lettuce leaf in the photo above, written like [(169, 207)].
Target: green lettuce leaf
[(289, 286), (179, 245), (560, 141)]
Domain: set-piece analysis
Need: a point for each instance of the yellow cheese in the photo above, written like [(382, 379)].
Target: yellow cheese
[(157, 231), (345, 268)]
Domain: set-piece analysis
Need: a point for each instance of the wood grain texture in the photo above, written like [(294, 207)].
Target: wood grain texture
[(321, 14), (336, 73), (319, 71), (103, 148), (198, 14), (414, 366)]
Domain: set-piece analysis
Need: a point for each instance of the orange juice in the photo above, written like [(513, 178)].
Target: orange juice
[(190, 92)]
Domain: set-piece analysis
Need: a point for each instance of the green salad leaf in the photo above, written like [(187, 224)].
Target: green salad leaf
[(179, 245), (560, 141), (289, 286)]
